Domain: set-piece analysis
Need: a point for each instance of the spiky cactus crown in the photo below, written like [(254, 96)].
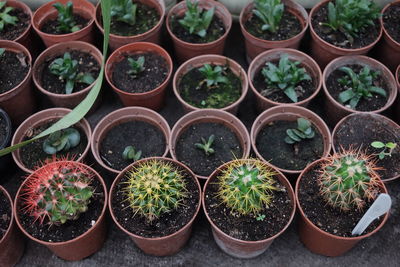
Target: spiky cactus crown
[(154, 187), (58, 192), (348, 179)]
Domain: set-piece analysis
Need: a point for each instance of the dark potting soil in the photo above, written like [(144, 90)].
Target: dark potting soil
[(365, 104), (272, 146), (391, 21), (5, 214), (357, 133), (289, 27), (3, 129), (194, 90), (248, 227), (12, 32), (86, 64), (168, 223), (70, 229), (51, 26), (226, 146), (325, 217), (141, 135), (154, 74), (337, 38), (32, 155), (13, 70)]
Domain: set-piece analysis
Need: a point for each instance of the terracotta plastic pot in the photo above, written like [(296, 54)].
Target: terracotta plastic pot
[(336, 111), (82, 246), (241, 248), (5, 161), (324, 52), (289, 113), (121, 116), (165, 245), (19, 102), (12, 245), (58, 50), (255, 45), (151, 36), (215, 116), (40, 118), (25, 37), (198, 62), (307, 62), (48, 12), (153, 99), (185, 50), (319, 241)]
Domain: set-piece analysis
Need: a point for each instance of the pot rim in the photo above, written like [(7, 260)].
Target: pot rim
[(7, 195), (24, 7), (386, 33), (8, 123)]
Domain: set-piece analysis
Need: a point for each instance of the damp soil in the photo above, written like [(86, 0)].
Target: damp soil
[(13, 69), (359, 133), (271, 145), (289, 27), (167, 223), (391, 21), (141, 135), (154, 74), (71, 229), (194, 90), (3, 129), (247, 227), (365, 104), (226, 146), (12, 32), (325, 217), (5, 214), (337, 38), (33, 155), (86, 64), (51, 26)]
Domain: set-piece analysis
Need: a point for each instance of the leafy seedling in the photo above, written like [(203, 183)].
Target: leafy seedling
[(270, 12), (124, 11), (260, 217), (206, 145), (5, 17), (66, 17), (387, 148), (304, 131), (136, 66), (130, 153), (213, 76), (197, 21), (62, 140)]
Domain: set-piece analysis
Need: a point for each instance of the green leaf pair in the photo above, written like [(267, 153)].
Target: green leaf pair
[(130, 153), (206, 145), (304, 131), (62, 140), (197, 21), (390, 145), (136, 66)]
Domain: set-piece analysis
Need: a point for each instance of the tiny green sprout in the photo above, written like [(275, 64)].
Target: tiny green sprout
[(260, 217), (2, 50), (62, 140), (270, 12), (124, 11), (213, 76), (66, 18), (131, 154), (390, 145), (6, 18), (137, 66), (206, 145), (304, 131), (197, 21)]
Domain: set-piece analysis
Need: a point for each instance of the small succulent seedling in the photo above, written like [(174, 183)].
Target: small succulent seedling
[(124, 11), (65, 17), (359, 86), (260, 217), (213, 76), (270, 12), (2, 50), (284, 77), (154, 187), (348, 180), (5, 17), (130, 153), (197, 21), (304, 131), (62, 140), (206, 145), (66, 69), (136, 66), (387, 148)]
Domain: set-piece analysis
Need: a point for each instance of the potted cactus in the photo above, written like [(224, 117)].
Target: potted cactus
[(333, 194), (155, 202)]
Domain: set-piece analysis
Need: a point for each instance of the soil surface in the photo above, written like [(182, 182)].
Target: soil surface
[(5, 214), (272, 146), (226, 146), (167, 224), (391, 21), (141, 135), (154, 74), (365, 104), (13, 70), (325, 217), (3, 129), (51, 26), (12, 32)]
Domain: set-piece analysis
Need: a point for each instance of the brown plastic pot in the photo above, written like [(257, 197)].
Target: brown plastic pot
[(151, 36), (125, 115), (25, 37), (19, 102), (153, 99), (241, 248), (185, 50), (215, 116), (165, 245), (319, 241), (198, 62), (40, 118), (82, 246), (335, 111), (12, 245), (48, 12), (307, 62), (324, 52), (58, 50), (289, 113), (255, 45)]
